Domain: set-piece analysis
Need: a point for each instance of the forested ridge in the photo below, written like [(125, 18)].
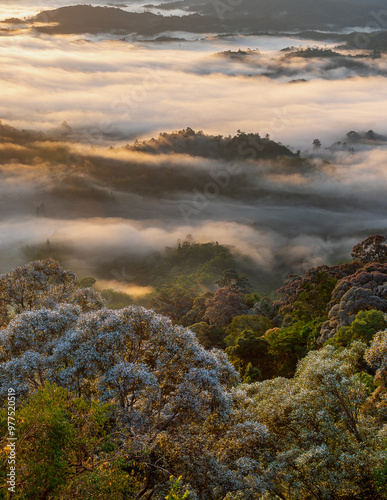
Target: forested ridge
[(210, 391), (217, 17)]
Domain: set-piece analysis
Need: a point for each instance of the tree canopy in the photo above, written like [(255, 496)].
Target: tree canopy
[(125, 402)]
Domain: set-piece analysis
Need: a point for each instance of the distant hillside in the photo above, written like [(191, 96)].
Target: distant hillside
[(300, 14), (87, 19), (11, 134), (216, 17), (198, 144)]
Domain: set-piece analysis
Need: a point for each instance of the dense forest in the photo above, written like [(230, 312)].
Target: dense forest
[(210, 391)]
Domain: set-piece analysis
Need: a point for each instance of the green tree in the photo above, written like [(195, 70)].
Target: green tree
[(198, 311), (231, 279), (255, 324), (363, 328), (87, 282), (66, 447), (209, 336), (289, 345), (306, 298), (380, 477), (250, 355)]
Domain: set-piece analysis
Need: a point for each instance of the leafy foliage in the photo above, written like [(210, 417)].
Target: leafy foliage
[(363, 329), (317, 433), (362, 290), (175, 493), (67, 448), (224, 306), (42, 283), (250, 355), (306, 297), (116, 403), (259, 325), (289, 345)]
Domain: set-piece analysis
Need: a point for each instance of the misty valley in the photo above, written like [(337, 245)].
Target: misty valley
[(193, 250)]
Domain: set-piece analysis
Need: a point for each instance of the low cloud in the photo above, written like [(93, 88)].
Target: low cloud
[(282, 215), (99, 202), (122, 90)]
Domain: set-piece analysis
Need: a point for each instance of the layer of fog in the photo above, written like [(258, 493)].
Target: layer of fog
[(290, 68), (283, 215), (111, 92), (130, 90), (94, 242)]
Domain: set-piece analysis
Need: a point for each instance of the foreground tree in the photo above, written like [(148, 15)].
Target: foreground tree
[(125, 399), (170, 396), (322, 441), (42, 283), (66, 447), (376, 357)]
